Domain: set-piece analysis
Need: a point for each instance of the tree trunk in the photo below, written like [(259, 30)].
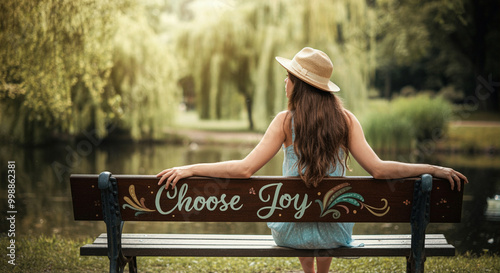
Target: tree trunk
[(248, 103)]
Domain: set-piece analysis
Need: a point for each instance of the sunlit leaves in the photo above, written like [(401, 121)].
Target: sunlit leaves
[(143, 85), (73, 66), (47, 47)]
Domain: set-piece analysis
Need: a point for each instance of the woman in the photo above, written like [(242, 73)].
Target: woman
[(317, 134)]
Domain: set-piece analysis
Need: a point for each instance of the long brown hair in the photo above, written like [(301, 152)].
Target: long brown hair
[(321, 131)]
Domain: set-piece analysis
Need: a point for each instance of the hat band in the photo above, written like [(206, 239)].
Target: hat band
[(306, 73)]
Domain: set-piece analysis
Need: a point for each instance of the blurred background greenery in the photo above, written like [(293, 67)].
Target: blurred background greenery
[(128, 68)]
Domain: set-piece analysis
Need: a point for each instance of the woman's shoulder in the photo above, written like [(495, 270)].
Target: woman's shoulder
[(284, 119), (285, 113), (353, 122), (350, 117), (348, 113), (285, 116)]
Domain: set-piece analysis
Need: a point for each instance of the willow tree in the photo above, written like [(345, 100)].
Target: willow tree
[(57, 61), (46, 48), (234, 52), (219, 54), (143, 79)]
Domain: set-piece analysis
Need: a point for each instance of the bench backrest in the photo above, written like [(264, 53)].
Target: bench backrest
[(262, 199)]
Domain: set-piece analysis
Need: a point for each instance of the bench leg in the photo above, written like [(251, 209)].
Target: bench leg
[(132, 264), (118, 265), (415, 265), (419, 221), (114, 224)]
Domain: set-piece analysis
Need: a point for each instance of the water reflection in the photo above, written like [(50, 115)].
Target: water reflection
[(43, 198), (493, 209)]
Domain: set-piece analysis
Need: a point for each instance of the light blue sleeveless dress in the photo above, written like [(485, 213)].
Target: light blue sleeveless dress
[(320, 235)]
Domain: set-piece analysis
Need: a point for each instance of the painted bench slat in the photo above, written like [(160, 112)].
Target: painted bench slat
[(377, 200)]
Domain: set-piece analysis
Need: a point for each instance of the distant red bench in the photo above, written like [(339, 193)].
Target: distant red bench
[(119, 198)]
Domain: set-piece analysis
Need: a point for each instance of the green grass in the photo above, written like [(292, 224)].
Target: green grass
[(472, 138), (56, 254)]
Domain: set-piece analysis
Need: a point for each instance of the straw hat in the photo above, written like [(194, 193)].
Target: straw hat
[(313, 67)]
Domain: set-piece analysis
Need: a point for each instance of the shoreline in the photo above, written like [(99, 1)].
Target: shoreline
[(463, 138)]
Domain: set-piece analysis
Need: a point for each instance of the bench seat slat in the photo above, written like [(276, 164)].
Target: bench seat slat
[(257, 237), (266, 251), (214, 245), (251, 242)]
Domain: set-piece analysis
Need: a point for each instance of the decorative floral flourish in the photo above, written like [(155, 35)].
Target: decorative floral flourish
[(135, 204), (339, 194)]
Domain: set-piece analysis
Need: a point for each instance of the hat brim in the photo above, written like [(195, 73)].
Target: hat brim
[(286, 63)]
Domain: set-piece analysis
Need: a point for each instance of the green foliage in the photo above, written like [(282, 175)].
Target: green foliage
[(404, 36), (71, 67), (46, 48), (435, 44), (429, 116), (239, 45), (142, 86), (407, 122), (387, 131)]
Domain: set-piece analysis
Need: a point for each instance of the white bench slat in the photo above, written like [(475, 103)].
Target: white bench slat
[(256, 237), (248, 242), (214, 245)]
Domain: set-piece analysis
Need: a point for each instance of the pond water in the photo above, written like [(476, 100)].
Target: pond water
[(43, 198)]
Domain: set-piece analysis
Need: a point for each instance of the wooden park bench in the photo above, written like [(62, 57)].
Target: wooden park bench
[(119, 198)]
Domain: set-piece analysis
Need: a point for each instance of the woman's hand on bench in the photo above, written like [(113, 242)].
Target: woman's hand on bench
[(451, 175), (173, 175)]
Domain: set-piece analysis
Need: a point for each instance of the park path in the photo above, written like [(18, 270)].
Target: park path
[(206, 137)]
